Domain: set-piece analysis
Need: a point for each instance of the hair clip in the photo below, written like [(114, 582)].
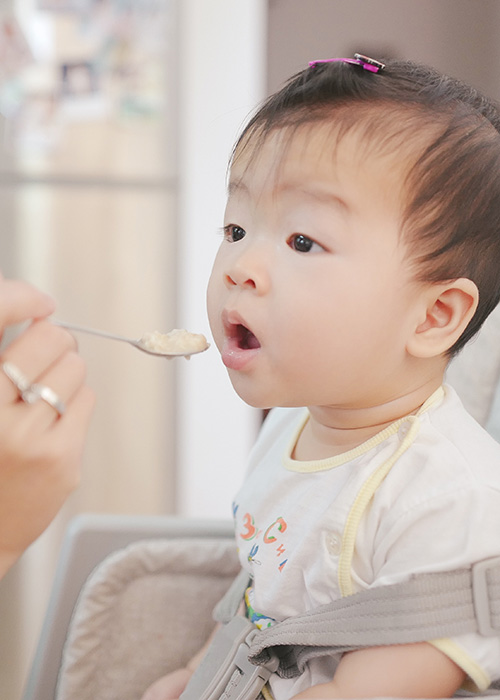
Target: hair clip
[(369, 64)]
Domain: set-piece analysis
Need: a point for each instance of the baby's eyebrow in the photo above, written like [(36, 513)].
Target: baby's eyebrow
[(236, 186), (319, 194)]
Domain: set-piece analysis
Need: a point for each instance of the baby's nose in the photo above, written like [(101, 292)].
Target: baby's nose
[(234, 279), (249, 271)]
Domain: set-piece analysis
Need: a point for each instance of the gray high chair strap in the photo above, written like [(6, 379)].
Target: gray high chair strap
[(428, 606)]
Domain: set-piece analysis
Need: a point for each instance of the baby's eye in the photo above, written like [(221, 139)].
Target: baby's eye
[(302, 244), (233, 233)]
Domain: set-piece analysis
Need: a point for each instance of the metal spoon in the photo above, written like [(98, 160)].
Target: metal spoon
[(140, 344)]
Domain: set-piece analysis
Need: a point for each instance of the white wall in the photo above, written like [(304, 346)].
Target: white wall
[(222, 77)]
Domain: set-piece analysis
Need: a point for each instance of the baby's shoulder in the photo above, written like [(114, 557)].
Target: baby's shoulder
[(451, 443), (451, 469)]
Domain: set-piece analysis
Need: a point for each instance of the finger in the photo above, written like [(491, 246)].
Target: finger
[(20, 301), (68, 435), (64, 380), (57, 449), (33, 352), (39, 472), (76, 421)]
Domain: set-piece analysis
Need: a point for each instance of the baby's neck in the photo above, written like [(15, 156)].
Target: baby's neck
[(331, 431)]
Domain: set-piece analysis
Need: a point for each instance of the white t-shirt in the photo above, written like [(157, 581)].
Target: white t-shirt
[(421, 496)]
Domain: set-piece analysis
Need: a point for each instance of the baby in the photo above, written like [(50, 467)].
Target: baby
[(361, 251)]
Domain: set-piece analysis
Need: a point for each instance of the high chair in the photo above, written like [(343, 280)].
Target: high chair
[(133, 596)]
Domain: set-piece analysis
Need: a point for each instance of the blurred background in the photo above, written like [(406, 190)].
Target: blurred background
[(117, 118)]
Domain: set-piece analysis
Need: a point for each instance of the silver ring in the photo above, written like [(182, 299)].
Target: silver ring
[(17, 378), (31, 393), (40, 391)]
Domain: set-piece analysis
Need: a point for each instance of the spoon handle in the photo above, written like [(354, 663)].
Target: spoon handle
[(92, 331)]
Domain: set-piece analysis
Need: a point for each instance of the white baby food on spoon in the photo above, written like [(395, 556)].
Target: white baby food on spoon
[(177, 341)]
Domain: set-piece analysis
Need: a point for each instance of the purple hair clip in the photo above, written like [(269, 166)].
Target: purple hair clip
[(365, 62)]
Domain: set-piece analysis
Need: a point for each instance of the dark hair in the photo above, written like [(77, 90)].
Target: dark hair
[(451, 218)]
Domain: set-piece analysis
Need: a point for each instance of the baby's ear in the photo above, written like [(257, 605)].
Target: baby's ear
[(448, 309)]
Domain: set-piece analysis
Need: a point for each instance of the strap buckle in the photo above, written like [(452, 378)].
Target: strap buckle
[(485, 577), (247, 679), (225, 673)]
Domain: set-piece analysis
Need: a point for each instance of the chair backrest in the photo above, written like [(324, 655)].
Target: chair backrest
[(475, 374), (90, 540)]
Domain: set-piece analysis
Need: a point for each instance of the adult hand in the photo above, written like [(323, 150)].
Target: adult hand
[(40, 450)]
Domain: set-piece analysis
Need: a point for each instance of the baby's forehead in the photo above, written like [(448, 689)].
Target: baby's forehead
[(378, 128), (328, 151)]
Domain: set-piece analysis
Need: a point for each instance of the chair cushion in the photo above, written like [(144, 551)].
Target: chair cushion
[(145, 610)]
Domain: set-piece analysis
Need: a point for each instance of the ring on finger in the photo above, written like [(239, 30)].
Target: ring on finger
[(40, 391), (17, 378), (30, 393)]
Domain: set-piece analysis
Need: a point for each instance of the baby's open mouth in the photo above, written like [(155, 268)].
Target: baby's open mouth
[(245, 338), (240, 345)]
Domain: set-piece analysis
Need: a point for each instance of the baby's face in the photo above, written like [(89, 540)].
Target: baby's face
[(311, 297)]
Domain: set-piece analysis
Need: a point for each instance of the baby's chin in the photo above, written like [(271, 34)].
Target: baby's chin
[(249, 397), (247, 393), (260, 400)]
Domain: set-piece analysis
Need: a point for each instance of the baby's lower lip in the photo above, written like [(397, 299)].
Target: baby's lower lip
[(236, 357)]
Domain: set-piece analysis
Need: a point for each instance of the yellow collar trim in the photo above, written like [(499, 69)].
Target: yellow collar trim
[(320, 465), (368, 489)]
